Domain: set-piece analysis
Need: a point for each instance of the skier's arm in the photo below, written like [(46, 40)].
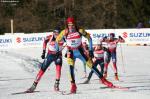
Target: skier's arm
[(46, 41), (104, 39), (87, 35), (44, 46), (59, 38), (121, 40)]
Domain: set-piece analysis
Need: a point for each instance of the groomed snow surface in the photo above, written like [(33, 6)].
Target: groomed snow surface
[(18, 69)]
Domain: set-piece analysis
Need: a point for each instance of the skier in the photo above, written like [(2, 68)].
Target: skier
[(51, 56), (97, 60), (111, 43), (73, 36)]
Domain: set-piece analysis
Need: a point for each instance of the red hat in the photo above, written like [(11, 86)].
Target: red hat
[(70, 20)]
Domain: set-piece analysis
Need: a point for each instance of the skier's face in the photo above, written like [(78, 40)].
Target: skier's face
[(98, 46), (111, 37), (71, 26), (84, 44)]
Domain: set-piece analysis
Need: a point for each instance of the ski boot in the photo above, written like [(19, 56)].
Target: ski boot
[(106, 82), (56, 85), (84, 75), (116, 77), (105, 74), (86, 81), (32, 88), (73, 88)]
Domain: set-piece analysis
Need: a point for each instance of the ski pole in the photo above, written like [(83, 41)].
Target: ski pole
[(122, 58)]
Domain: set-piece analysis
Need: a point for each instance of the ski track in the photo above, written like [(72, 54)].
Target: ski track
[(18, 68)]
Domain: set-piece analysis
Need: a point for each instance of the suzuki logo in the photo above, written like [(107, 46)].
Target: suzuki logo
[(125, 34), (18, 39)]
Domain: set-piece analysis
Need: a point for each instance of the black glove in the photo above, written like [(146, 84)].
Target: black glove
[(120, 37), (43, 54), (66, 55), (105, 49), (91, 54)]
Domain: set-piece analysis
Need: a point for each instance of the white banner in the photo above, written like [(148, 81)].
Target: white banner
[(22, 40), (131, 36), (99, 34), (6, 41), (135, 36)]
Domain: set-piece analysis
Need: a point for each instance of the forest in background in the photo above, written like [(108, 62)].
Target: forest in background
[(44, 15)]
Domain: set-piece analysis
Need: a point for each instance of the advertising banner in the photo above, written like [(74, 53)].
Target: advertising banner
[(98, 34), (6, 41), (135, 36), (20, 40)]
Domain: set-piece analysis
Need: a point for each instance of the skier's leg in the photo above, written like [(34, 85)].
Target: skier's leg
[(72, 79), (107, 57), (114, 61), (91, 73), (43, 68), (71, 60), (102, 79), (101, 63), (89, 63), (58, 63)]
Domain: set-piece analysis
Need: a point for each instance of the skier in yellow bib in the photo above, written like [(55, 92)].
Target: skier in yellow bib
[(73, 36)]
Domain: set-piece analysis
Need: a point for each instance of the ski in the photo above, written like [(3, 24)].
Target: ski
[(121, 88), (116, 87), (67, 93), (23, 92), (58, 92), (82, 83)]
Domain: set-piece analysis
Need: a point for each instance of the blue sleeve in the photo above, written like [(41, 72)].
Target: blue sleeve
[(57, 46), (90, 44)]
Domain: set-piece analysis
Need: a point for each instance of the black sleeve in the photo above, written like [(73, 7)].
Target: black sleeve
[(64, 39)]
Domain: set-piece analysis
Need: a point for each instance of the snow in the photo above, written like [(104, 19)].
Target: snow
[(18, 69)]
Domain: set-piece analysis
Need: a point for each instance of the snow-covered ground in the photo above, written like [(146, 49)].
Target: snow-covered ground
[(18, 68)]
